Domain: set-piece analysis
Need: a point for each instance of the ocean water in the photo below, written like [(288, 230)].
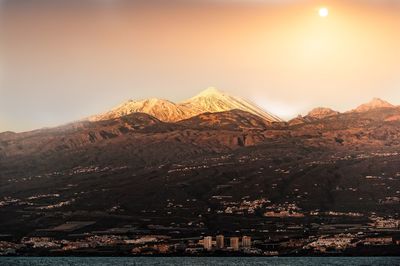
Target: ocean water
[(170, 261)]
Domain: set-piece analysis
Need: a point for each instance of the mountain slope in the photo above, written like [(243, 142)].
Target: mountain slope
[(76, 136), (227, 120), (137, 137)]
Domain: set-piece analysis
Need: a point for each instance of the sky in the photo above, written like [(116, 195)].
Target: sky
[(64, 60)]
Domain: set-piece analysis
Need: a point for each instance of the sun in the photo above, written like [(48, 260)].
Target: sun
[(323, 12)]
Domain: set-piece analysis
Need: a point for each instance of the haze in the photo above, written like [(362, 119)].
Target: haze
[(61, 61)]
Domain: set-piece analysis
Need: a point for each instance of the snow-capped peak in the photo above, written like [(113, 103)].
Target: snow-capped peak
[(213, 100), (210, 100), (209, 92), (164, 110)]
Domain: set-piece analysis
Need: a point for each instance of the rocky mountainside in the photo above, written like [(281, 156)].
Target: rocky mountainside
[(143, 137), (209, 101), (137, 137), (227, 120)]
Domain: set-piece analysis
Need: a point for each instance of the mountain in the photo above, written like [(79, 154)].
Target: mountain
[(313, 115), (212, 100), (138, 136), (161, 109), (139, 164), (209, 101), (76, 137), (375, 103), (321, 112)]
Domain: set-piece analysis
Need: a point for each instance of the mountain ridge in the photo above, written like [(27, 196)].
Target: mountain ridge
[(204, 102), (210, 100)]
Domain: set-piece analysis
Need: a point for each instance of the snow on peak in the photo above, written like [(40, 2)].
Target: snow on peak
[(210, 100), (213, 100), (209, 92), (163, 110)]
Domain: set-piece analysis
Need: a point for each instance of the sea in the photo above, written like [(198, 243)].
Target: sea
[(220, 261)]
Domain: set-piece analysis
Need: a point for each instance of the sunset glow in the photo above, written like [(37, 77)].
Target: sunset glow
[(323, 12), (97, 55)]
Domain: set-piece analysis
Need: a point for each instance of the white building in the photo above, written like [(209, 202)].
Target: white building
[(207, 243)]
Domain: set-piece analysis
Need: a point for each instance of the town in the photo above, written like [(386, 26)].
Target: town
[(251, 212), (281, 230)]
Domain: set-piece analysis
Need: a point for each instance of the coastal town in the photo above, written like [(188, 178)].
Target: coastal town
[(263, 229), (252, 212)]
